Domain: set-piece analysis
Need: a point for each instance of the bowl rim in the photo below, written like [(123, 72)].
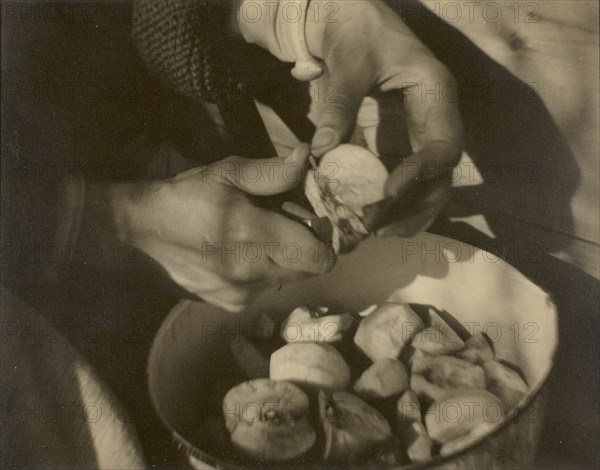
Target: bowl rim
[(535, 393)]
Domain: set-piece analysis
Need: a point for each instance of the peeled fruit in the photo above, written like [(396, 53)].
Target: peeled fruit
[(384, 333), (505, 383), (427, 391), (460, 412), (433, 377), (477, 350), (358, 176), (450, 372), (249, 358), (416, 441), (505, 352), (438, 338), (351, 426), (317, 365), (268, 420), (408, 408), (348, 178), (410, 428), (244, 402), (460, 443), (385, 378), (274, 442), (416, 355), (301, 326)]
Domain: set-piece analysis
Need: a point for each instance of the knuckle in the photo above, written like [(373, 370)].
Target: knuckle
[(229, 167), (340, 103), (241, 296), (234, 272), (242, 233), (239, 271), (434, 70)]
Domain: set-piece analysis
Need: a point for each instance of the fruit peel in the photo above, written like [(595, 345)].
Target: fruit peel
[(461, 443), (477, 350), (438, 338), (351, 426), (505, 383), (348, 178), (302, 326)]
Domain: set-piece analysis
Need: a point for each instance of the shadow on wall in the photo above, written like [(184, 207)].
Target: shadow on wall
[(528, 170), (530, 175)]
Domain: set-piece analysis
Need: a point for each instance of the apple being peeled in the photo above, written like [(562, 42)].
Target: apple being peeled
[(348, 178)]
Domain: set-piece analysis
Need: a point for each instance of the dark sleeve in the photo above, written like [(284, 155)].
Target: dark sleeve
[(42, 204), (72, 98)]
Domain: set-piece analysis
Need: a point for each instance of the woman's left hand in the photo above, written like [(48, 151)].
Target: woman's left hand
[(382, 79)]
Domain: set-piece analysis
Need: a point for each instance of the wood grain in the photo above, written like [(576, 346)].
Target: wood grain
[(552, 48)]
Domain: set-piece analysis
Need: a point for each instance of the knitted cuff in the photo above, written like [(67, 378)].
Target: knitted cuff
[(176, 39)]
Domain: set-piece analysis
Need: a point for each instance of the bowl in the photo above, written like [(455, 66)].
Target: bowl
[(190, 366)]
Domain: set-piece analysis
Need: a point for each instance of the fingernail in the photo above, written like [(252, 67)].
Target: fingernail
[(323, 138), (303, 150)]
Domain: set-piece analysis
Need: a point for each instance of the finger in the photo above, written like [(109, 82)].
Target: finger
[(434, 122), (423, 213), (269, 176), (382, 121), (235, 298), (262, 245), (431, 163), (295, 247), (291, 209), (337, 113)]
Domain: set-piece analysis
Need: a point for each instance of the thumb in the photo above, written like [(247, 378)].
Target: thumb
[(337, 115), (268, 176)]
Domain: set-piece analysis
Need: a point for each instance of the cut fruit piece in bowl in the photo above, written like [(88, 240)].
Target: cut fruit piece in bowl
[(351, 426), (268, 420), (314, 365)]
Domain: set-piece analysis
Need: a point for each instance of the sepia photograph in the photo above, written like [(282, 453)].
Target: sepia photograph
[(300, 234)]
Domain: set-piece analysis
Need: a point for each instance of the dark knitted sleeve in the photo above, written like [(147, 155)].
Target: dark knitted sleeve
[(177, 39)]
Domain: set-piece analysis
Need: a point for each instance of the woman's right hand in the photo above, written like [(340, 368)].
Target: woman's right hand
[(204, 230)]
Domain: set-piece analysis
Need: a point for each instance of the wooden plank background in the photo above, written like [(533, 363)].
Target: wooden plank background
[(544, 185)]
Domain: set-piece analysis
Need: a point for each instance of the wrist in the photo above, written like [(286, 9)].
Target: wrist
[(130, 207), (281, 28), (114, 215)]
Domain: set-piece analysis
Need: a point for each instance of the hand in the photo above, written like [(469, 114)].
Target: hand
[(376, 75), (204, 230), (369, 51)]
